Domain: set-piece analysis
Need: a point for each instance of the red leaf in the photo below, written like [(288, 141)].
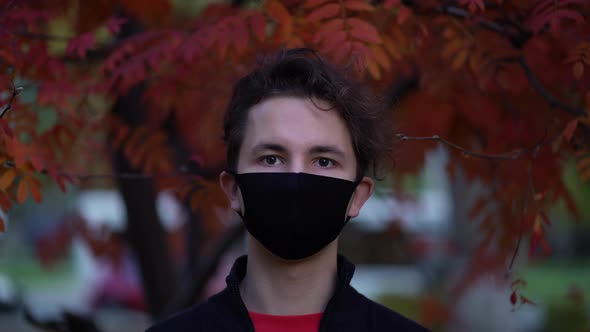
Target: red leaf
[(569, 130), (403, 14), (240, 37), (578, 70), (114, 24), (5, 202), (2, 227), (513, 298), (545, 219), (335, 41), (328, 28), (314, 3), (391, 3), (358, 5), (258, 26), (6, 128), (36, 161), (363, 31), (477, 207), (34, 188), (537, 236), (58, 179), (80, 45), (473, 5), (327, 11), (22, 192)]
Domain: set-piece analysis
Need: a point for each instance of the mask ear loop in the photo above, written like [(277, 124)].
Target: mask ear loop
[(356, 183)]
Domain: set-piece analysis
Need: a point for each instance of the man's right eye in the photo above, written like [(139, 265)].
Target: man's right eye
[(271, 160)]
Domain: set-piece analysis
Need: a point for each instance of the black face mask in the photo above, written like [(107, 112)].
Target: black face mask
[(294, 215)]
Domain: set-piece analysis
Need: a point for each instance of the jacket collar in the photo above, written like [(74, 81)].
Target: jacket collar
[(238, 271), (345, 272)]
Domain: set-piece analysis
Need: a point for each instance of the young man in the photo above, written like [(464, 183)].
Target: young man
[(301, 137)]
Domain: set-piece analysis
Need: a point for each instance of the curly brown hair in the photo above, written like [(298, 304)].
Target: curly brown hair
[(303, 73)]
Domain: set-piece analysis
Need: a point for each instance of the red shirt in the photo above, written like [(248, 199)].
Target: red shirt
[(271, 323)]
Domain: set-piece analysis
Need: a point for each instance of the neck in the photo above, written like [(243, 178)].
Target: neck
[(276, 286)]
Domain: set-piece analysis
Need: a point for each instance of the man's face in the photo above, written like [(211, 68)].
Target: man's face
[(289, 134)]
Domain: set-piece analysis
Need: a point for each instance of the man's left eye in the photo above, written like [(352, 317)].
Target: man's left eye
[(325, 162)]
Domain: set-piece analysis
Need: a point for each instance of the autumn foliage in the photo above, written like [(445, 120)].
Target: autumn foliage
[(505, 85)]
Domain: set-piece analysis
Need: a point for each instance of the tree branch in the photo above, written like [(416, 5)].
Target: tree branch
[(515, 32), (196, 280), (538, 86)]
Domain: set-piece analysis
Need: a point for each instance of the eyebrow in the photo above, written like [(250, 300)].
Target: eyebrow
[(331, 149), (316, 149), (268, 147)]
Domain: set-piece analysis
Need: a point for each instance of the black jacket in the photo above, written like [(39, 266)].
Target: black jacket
[(346, 311)]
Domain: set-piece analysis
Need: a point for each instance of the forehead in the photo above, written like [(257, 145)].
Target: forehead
[(296, 123)]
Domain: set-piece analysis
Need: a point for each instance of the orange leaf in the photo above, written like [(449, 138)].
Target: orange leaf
[(460, 59), (363, 30), (327, 11), (358, 5), (22, 192), (449, 33), (277, 11), (34, 188), (578, 70), (7, 178), (478, 207), (381, 57), (392, 48), (452, 47), (5, 202), (373, 69), (525, 300), (518, 282), (583, 163)]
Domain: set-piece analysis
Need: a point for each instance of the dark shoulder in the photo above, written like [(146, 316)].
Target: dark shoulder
[(196, 318), (385, 319)]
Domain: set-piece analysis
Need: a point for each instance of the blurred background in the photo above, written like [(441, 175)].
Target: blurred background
[(111, 123)]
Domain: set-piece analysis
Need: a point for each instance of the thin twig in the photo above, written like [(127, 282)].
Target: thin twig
[(15, 92), (500, 156), (132, 176), (6, 6), (462, 13), (526, 197)]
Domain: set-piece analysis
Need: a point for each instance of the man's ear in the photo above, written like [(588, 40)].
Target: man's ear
[(360, 196), (230, 187)]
